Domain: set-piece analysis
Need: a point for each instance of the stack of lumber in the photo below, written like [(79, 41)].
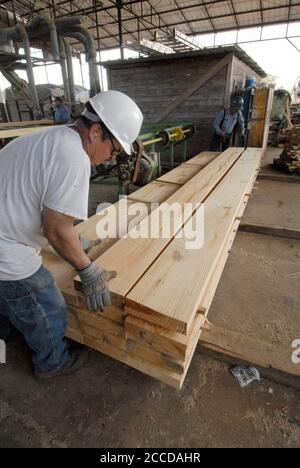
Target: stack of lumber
[(21, 131), (162, 292), (289, 160), (25, 123)]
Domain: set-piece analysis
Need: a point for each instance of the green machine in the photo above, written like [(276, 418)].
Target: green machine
[(152, 153)]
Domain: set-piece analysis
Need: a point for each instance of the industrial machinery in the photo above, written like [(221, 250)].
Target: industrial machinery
[(296, 92), (49, 35), (17, 108), (281, 113), (152, 152)]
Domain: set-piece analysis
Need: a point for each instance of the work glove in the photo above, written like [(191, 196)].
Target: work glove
[(87, 244), (94, 286)]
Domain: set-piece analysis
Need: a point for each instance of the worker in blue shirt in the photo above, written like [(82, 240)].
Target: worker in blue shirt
[(61, 113), (225, 123)]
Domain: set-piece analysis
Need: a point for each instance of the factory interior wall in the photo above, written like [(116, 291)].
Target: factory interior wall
[(155, 84)]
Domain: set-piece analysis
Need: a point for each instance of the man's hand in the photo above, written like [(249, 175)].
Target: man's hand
[(87, 244), (94, 286)]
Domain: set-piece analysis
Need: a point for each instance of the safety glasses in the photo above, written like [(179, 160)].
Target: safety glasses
[(115, 152)]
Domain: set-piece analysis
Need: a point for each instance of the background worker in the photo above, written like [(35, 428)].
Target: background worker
[(226, 121), (44, 187), (61, 113)]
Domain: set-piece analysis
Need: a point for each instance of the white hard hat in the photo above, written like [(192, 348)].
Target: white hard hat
[(120, 114)]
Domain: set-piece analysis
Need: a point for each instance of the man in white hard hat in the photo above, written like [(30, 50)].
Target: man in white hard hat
[(44, 186)]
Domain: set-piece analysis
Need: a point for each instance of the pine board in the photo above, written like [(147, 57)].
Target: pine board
[(16, 132), (132, 257), (162, 293), (202, 159)]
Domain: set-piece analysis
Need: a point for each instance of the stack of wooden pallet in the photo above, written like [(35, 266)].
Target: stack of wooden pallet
[(163, 290)]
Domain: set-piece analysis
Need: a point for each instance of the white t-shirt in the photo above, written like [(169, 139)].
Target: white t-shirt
[(49, 168)]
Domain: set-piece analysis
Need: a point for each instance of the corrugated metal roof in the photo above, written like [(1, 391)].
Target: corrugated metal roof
[(142, 18)]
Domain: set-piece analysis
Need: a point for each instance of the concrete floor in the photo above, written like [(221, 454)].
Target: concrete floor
[(108, 404)]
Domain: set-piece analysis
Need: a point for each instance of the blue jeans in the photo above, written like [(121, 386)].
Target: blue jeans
[(36, 308)]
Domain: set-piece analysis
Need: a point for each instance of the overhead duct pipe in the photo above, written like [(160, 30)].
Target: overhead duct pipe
[(63, 64), (81, 34), (70, 70), (36, 26), (33, 92)]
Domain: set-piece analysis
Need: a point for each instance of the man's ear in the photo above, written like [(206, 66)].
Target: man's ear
[(94, 132)]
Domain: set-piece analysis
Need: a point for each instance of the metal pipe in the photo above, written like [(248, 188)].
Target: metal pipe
[(82, 39), (63, 65), (119, 7), (30, 75), (54, 39), (91, 57), (70, 70), (35, 27), (159, 139)]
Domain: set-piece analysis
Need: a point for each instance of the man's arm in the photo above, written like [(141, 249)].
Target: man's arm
[(218, 120), (60, 232), (241, 122)]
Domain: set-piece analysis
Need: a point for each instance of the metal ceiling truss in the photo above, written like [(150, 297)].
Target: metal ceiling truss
[(115, 22)]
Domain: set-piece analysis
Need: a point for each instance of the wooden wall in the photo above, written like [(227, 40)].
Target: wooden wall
[(153, 84), (241, 70)]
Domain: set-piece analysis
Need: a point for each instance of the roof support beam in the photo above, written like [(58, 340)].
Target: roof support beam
[(196, 20), (204, 19), (119, 7), (293, 44)]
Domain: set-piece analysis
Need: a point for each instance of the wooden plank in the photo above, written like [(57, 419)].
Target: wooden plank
[(25, 123), (162, 293), (150, 356), (229, 76), (61, 270), (169, 377), (278, 231), (279, 177), (212, 287), (203, 158), (181, 174), (131, 257), (117, 342), (21, 131), (155, 192), (97, 321), (214, 70), (74, 334), (247, 348), (260, 117), (161, 339), (76, 300)]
